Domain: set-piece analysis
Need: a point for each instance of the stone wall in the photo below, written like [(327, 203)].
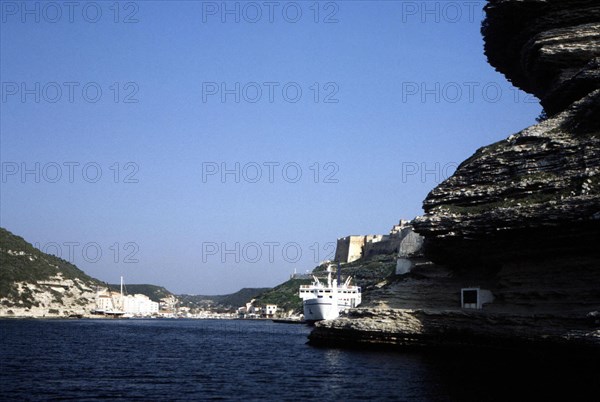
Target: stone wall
[(349, 248), (352, 248), (385, 244)]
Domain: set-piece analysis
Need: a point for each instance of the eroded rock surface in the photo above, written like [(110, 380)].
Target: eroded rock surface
[(520, 218), (535, 194), (550, 48), (35, 284), (444, 328), (423, 308)]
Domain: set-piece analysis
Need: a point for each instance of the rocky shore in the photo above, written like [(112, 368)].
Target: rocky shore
[(520, 218), (405, 329), (422, 308)]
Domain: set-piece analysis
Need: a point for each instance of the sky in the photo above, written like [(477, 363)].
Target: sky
[(209, 146)]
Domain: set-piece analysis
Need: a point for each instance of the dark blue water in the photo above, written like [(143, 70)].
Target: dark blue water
[(248, 360)]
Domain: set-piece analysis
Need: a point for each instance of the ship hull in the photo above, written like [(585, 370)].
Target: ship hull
[(325, 302), (319, 309)]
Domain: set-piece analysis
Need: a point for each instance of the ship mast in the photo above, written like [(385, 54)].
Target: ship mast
[(122, 304)]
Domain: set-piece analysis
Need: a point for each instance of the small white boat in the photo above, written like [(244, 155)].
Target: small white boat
[(326, 301)]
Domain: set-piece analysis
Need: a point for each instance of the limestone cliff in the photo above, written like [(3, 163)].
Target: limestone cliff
[(520, 217), (422, 308), (35, 284), (537, 193), (550, 48)]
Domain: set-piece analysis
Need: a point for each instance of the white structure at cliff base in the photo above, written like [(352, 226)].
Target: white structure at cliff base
[(116, 303)]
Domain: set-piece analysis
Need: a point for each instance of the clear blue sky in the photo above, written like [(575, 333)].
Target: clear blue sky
[(415, 96)]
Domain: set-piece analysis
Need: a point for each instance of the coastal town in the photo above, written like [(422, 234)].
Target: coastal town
[(62, 295), (110, 303), (401, 242)]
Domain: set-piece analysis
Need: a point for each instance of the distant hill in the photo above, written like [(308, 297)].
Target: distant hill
[(154, 292), (33, 283), (36, 284), (221, 302), (20, 261), (285, 296)]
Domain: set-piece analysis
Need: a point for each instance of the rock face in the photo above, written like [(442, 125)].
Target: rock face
[(521, 217), (422, 308), (54, 297), (537, 193), (533, 195), (409, 328), (550, 48), (35, 284)]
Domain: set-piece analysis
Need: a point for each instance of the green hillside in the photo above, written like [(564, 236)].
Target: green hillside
[(154, 292), (284, 295), (364, 273), (21, 262), (221, 302)]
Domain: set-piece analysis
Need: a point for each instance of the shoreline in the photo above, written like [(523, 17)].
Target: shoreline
[(101, 317), (408, 330)]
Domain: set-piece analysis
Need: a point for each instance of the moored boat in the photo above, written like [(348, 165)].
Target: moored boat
[(326, 301)]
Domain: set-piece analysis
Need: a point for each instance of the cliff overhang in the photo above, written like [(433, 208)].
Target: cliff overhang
[(549, 48), (521, 216)]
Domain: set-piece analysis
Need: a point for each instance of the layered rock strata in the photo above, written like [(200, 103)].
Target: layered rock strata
[(422, 308), (34, 284), (521, 217), (410, 328), (550, 48), (534, 195)]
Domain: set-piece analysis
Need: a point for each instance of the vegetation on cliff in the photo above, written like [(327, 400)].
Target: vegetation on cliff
[(37, 266), (285, 296), (154, 292), (364, 272), (21, 262)]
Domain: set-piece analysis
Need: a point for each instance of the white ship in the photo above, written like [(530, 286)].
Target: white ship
[(324, 302)]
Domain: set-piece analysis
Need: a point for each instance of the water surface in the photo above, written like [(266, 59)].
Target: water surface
[(248, 360)]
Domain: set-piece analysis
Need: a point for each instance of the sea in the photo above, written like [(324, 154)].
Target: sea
[(258, 360)]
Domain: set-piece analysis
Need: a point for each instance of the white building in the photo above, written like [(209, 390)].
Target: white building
[(106, 302), (139, 304), (269, 310), (114, 302), (475, 298)]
